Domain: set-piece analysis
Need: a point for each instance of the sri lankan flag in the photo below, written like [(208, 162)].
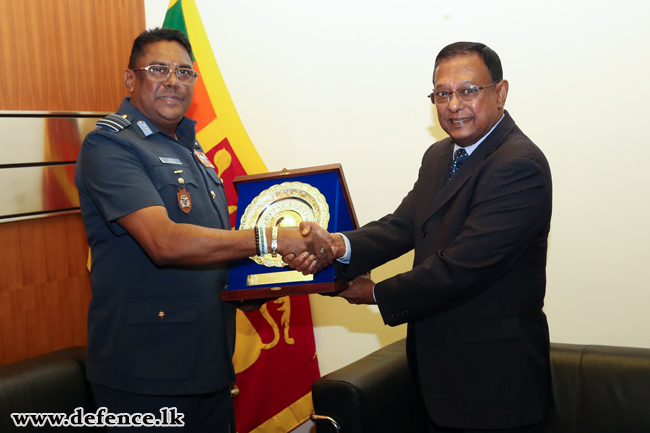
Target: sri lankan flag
[(275, 356)]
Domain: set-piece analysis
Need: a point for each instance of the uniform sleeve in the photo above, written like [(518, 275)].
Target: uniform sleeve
[(114, 178)]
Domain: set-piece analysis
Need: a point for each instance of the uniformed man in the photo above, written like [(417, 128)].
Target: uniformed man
[(157, 222)]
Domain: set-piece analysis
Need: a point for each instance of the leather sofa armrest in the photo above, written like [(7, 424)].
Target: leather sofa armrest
[(50, 383), (374, 394)]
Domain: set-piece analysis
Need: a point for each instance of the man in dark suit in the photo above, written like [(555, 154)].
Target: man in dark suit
[(478, 218)]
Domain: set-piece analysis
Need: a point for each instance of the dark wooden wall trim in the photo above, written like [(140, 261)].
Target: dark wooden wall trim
[(57, 55)]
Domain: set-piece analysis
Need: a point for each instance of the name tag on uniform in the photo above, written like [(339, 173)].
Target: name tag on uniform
[(166, 160)]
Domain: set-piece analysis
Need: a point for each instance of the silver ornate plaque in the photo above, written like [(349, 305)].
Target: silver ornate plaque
[(285, 205)]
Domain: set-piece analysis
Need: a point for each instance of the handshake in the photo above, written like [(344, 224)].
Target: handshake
[(312, 251), (310, 248)]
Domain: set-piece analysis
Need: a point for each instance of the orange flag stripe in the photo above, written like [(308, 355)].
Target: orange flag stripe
[(201, 109)]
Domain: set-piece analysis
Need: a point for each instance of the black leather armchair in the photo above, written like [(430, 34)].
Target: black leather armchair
[(373, 394), (598, 389), (51, 383)]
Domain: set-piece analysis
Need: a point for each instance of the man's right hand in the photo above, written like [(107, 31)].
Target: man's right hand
[(309, 264)]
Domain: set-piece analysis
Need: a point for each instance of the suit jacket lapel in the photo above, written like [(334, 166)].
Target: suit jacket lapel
[(442, 166), (489, 145)]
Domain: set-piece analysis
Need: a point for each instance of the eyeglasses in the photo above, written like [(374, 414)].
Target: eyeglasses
[(464, 94), (161, 73)]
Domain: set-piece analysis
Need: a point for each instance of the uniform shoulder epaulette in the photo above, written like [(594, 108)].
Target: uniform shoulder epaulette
[(113, 123)]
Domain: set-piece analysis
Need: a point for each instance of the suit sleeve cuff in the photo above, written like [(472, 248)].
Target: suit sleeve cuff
[(348, 251)]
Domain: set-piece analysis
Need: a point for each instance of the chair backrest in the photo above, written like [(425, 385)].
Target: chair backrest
[(51, 383), (600, 389)]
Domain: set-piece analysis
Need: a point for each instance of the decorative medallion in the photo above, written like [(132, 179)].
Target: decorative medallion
[(285, 205)]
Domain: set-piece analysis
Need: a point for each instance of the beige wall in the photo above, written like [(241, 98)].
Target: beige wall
[(346, 81)]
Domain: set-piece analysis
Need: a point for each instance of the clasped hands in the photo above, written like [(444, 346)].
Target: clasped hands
[(320, 250)]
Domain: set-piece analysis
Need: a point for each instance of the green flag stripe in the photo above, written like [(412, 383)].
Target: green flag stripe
[(174, 19)]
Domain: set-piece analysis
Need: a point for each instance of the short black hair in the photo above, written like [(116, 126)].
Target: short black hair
[(154, 35), (489, 56)]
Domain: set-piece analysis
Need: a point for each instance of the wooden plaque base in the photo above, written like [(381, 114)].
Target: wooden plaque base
[(278, 292)]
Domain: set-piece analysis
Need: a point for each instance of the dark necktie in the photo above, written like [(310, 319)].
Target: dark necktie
[(459, 157)]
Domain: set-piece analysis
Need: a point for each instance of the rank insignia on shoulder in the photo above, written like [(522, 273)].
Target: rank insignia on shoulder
[(144, 128), (113, 123)]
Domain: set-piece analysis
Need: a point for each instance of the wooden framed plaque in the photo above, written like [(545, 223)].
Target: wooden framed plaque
[(284, 199)]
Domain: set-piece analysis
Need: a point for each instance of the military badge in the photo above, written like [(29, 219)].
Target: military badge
[(184, 200), (144, 128)]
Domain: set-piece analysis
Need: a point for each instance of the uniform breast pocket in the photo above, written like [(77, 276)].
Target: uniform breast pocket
[(213, 175), (218, 187), (170, 180), (161, 338)]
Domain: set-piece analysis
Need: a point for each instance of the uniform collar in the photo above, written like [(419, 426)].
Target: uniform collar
[(144, 127)]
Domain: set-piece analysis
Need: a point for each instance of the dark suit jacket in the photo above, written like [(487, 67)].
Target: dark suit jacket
[(478, 340)]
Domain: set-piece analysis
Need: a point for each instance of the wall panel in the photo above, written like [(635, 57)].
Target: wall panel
[(66, 54), (58, 55)]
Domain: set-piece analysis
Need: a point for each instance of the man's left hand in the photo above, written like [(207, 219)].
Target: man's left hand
[(360, 291)]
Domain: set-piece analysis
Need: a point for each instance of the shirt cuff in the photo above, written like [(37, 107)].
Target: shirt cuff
[(348, 251)]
